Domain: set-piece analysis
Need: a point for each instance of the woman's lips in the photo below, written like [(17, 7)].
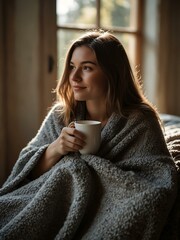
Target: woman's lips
[(78, 88)]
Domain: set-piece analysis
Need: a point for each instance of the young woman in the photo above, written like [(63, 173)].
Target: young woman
[(97, 76), (126, 190)]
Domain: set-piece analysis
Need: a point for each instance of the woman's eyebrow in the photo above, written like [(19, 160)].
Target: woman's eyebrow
[(85, 62)]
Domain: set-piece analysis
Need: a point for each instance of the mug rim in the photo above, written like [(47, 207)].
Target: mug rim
[(88, 122)]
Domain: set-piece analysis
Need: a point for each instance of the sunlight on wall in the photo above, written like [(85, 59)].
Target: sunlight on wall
[(150, 49)]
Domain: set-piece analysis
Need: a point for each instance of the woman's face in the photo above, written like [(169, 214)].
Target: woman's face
[(87, 79)]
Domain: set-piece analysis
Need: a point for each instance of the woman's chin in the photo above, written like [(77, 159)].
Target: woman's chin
[(79, 98)]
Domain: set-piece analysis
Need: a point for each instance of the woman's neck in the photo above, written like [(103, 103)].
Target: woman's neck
[(97, 112)]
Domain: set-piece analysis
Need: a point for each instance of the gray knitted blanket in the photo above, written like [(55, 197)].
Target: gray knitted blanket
[(125, 192)]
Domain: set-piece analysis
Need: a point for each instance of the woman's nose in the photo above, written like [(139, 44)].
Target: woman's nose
[(76, 75)]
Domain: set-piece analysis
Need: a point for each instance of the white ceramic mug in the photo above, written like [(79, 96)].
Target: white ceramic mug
[(92, 131)]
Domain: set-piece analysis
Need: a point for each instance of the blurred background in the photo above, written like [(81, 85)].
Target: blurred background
[(34, 37)]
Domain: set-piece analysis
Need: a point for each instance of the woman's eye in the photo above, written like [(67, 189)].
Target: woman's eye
[(87, 68), (71, 67)]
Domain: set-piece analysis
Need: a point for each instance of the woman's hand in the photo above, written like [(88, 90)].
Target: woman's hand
[(69, 140)]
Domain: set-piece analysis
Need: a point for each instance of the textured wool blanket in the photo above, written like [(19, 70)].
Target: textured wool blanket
[(126, 191)]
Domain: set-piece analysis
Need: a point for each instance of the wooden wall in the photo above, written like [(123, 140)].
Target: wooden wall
[(168, 87), (28, 40), (2, 116)]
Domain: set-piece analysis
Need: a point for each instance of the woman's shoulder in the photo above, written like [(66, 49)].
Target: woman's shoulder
[(57, 107), (146, 117), (56, 110), (54, 114), (144, 114)]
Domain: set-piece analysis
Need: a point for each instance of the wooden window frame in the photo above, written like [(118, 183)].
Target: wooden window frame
[(136, 32)]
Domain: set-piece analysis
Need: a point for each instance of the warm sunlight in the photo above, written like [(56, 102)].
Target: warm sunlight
[(64, 8)]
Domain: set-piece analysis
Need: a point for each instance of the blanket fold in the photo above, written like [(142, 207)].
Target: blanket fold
[(126, 191)]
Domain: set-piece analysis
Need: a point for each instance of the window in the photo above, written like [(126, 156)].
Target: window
[(121, 17)]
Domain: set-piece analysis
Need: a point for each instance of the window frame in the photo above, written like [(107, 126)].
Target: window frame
[(136, 31)]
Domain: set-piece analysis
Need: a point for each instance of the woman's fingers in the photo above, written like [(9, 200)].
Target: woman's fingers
[(71, 140), (75, 138), (71, 125), (74, 142), (74, 132)]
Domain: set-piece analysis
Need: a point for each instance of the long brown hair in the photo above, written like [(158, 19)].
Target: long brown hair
[(124, 90)]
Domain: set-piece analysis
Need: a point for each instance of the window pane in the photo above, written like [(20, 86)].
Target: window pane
[(76, 12), (64, 39), (116, 13)]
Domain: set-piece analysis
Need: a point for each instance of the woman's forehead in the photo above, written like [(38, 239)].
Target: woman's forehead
[(83, 53)]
